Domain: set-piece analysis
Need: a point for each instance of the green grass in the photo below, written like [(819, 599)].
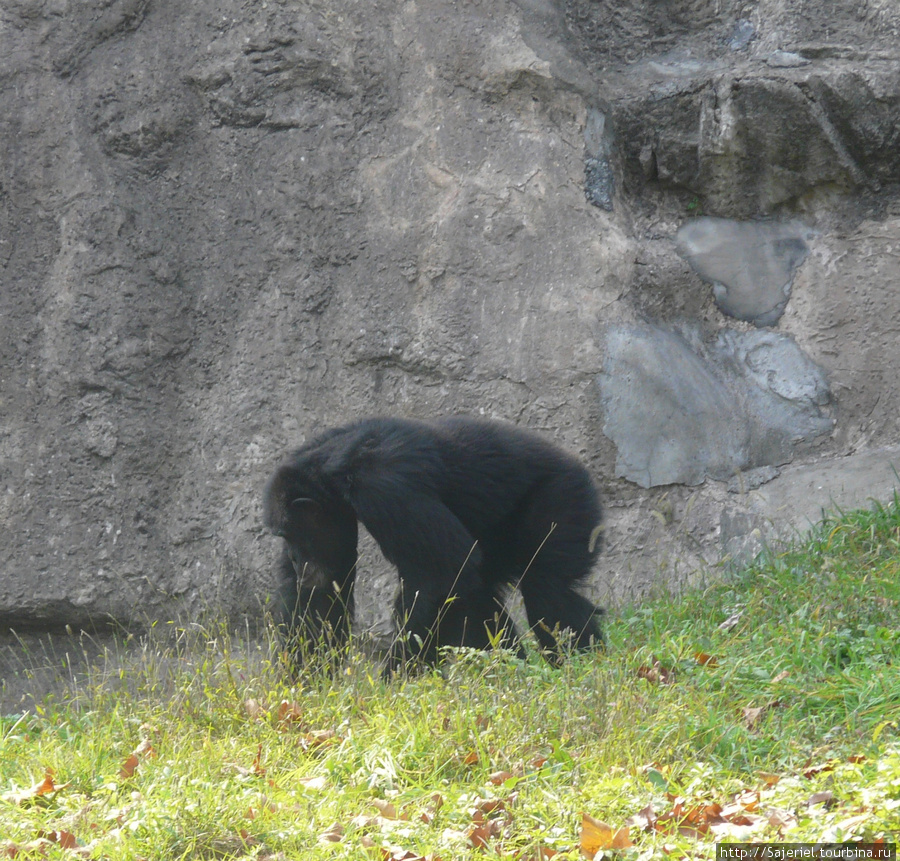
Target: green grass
[(794, 709)]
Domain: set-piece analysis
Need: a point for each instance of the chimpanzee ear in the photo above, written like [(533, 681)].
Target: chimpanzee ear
[(304, 511)]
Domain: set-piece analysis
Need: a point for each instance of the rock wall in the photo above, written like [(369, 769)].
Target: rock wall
[(664, 234)]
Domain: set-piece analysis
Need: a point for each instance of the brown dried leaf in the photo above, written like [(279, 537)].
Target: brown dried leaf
[(288, 714), (334, 834), (597, 835), (479, 835), (385, 808), (397, 853), (320, 738), (781, 820), (692, 821), (538, 853), (31, 848), (754, 714), (499, 777), (47, 786), (740, 827), (143, 751), (825, 798), (468, 759), (63, 839), (490, 805), (643, 820), (657, 674), (751, 715), (852, 823), (257, 767), (813, 770), (255, 710)]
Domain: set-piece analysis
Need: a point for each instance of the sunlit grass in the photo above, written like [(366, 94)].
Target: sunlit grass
[(790, 668)]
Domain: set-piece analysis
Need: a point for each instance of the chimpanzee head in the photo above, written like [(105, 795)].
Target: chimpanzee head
[(319, 527)]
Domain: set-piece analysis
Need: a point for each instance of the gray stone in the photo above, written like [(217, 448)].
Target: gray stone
[(730, 136), (741, 35), (786, 60), (680, 410), (672, 418), (744, 482), (749, 264), (599, 179)]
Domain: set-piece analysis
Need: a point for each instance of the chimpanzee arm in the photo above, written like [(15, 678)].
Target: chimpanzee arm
[(434, 553), (314, 619)]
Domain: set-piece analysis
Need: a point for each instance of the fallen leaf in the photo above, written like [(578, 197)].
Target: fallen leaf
[(780, 677), (385, 808), (753, 714), (731, 621), (742, 801), (656, 673), (334, 834), (255, 710), (435, 803), (479, 835), (320, 738), (847, 826), (781, 820), (490, 805), (30, 849), (813, 770), (394, 853), (597, 835), (288, 713), (45, 787), (538, 853), (691, 822), (741, 827), (143, 751), (499, 777), (469, 759), (63, 839), (825, 798), (644, 819), (257, 767)]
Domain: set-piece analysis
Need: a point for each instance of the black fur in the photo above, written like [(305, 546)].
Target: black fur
[(462, 507)]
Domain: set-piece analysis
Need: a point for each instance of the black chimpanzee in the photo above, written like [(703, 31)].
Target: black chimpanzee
[(463, 507)]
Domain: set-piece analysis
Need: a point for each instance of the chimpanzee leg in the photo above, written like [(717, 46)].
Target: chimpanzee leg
[(558, 523), (434, 553), (560, 609), (475, 620)]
